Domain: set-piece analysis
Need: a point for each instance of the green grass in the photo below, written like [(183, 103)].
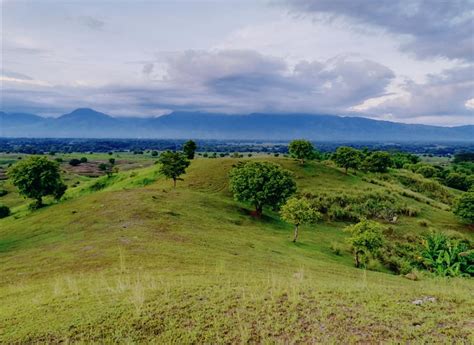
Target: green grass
[(139, 261)]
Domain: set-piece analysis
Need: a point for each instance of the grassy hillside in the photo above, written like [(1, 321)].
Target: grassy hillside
[(134, 260)]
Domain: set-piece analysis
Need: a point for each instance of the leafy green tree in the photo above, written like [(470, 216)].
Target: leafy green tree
[(189, 149), (36, 177), (154, 153), (83, 159), (298, 211), (173, 165), (366, 239), (464, 207), (301, 150), (400, 159), (261, 184), (347, 158), (378, 161), (112, 161)]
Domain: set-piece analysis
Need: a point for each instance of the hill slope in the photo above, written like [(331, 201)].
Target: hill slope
[(87, 123), (190, 265)]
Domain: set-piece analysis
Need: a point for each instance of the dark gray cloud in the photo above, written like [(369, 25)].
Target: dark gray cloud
[(434, 28), (227, 81)]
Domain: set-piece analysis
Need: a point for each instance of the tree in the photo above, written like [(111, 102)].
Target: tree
[(83, 159), (74, 162), (464, 207), (298, 212), (112, 161), (366, 238), (189, 149), (154, 153), (37, 177), (347, 158), (301, 150), (378, 161), (457, 180), (261, 184), (173, 165), (427, 170)]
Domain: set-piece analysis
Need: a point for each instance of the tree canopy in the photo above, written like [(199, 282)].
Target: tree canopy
[(261, 184), (301, 150), (189, 149), (366, 238), (36, 177), (173, 165), (299, 211), (347, 158), (464, 207), (378, 161)]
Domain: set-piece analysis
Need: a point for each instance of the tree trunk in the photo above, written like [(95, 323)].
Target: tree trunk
[(347, 170), (258, 211), (174, 183), (295, 236), (357, 259)]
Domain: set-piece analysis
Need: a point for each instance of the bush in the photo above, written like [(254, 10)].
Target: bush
[(446, 256), (457, 181), (424, 223), (4, 211), (464, 207), (427, 171), (83, 159), (3, 192), (430, 188), (74, 162), (59, 160), (336, 248)]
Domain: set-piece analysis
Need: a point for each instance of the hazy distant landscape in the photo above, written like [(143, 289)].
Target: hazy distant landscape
[(237, 172), (87, 123)]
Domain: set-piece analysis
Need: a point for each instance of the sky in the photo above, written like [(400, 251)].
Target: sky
[(407, 61)]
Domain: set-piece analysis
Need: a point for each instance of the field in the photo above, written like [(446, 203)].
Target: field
[(128, 258)]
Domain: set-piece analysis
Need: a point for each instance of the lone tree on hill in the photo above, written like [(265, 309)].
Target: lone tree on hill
[(301, 150), (464, 207), (36, 177), (261, 184), (298, 212), (173, 165), (347, 158), (366, 239), (189, 149), (378, 161)]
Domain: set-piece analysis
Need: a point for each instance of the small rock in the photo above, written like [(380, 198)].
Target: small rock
[(423, 300)]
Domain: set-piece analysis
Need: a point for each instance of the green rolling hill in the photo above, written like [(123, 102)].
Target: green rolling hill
[(130, 259)]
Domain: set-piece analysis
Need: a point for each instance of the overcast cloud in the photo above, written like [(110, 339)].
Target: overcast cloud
[(408, 61)]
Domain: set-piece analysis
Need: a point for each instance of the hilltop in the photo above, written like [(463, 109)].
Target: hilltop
[(129, 258), (88, 123)]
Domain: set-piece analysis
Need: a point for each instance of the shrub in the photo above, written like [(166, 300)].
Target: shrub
[(4, 211), (83, 159), (464, 207), (427, 171), (457, 181), (366, 239), (424, 186), (424, 223), (336, 248), (74, 162), (3, 192)]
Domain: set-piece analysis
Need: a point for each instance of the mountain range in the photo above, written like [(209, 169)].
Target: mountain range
[(88, 123)]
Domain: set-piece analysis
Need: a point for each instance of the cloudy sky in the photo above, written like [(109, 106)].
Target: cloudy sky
[(407, 60)]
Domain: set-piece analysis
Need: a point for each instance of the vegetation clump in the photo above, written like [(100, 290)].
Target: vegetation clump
[(261, 184), (347, 158), (4, 211), (189, 149), (301, 150), (464, 207), (36, 177), (173, 165), (366, 238), (299, 211)]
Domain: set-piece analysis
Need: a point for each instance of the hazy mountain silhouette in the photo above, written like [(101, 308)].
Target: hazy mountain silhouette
[(88, 123)]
